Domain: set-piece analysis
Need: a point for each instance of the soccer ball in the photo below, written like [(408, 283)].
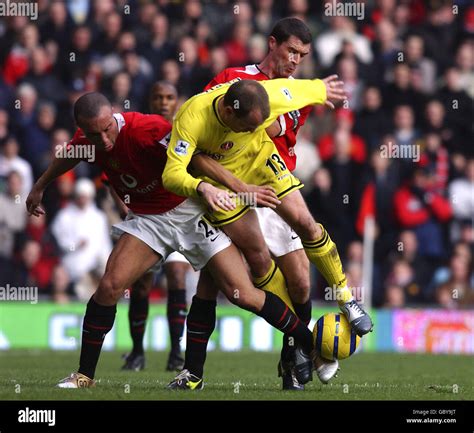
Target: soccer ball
[(334, 338)]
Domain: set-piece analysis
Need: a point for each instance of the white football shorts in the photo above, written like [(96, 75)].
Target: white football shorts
[(279, 236), (181, 229)]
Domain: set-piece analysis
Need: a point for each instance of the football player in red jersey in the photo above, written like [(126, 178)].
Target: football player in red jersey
[(163, 101), (131, 149)]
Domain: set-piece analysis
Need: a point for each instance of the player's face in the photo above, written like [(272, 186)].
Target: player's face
[(287, 56), (101, 130), (163, 101)]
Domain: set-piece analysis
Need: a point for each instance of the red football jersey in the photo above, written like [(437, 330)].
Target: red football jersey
[(290, 122), (135, 164)]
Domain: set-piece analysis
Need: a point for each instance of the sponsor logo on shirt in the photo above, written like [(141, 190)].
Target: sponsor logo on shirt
[(181, 147)]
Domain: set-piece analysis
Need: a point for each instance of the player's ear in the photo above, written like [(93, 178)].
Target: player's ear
[(272, 43), (229, 111)]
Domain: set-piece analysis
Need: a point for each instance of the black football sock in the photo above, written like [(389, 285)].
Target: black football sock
[(176, 313), (200, 323), (279, 315), (137, 316), (98, 320), (303, 311)]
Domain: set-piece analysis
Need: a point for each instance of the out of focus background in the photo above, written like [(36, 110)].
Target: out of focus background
[(397, 163)]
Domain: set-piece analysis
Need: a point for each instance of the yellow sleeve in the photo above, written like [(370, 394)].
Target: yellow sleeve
[(287, 95), (180, 151)]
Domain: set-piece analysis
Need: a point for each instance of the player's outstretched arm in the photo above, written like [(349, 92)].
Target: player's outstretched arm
[(265, 195), (286, 95), (58, 167)]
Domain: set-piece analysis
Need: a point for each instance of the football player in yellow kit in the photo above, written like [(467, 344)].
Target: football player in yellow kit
[(228, 123)]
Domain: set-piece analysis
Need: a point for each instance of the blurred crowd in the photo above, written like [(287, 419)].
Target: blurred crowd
[(400, 153)]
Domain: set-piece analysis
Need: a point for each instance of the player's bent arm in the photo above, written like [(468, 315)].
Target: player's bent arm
[(274, 130), (57, 167), (208, 167), (175, 176), (121, 206), (263, 195)]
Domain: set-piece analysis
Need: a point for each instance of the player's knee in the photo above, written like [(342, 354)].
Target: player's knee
[(110, 289), (305, 226), (258, 260), (299, 289), (243, 299)]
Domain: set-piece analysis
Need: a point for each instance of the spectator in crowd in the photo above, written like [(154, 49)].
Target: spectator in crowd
[(11, 161), (80, 229), (400, 91), (345, 121), (423, 67), (461, 197), (435, 159), (424, 212), (12, 215), (394, 296), (371, 122), (458, 290)]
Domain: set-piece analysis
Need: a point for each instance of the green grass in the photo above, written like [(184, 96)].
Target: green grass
[(362, 377)]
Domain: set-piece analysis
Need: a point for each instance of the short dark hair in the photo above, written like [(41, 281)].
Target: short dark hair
[(88, 106), (246, 95), (287, 27)]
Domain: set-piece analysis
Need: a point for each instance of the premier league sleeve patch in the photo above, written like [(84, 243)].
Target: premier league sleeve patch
[(181, 147)]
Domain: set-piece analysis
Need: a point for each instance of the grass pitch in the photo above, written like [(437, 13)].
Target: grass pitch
[(32, 375)]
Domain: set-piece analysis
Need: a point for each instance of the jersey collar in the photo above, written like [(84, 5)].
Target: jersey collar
[(120, 120), (216, 112)]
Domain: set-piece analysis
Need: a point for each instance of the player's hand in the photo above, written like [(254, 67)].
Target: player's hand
[(33, 202), (216, 198), (335, 92), (263, 196)]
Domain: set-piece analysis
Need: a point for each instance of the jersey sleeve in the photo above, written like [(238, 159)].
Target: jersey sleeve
[(151, 134), (180, 151), (288, 95)]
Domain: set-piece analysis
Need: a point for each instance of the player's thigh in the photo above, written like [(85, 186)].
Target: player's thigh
[(295, 268), (295, 212), (129, 260), (230, 275), (176, 274), (206, 287), (246, 234)]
